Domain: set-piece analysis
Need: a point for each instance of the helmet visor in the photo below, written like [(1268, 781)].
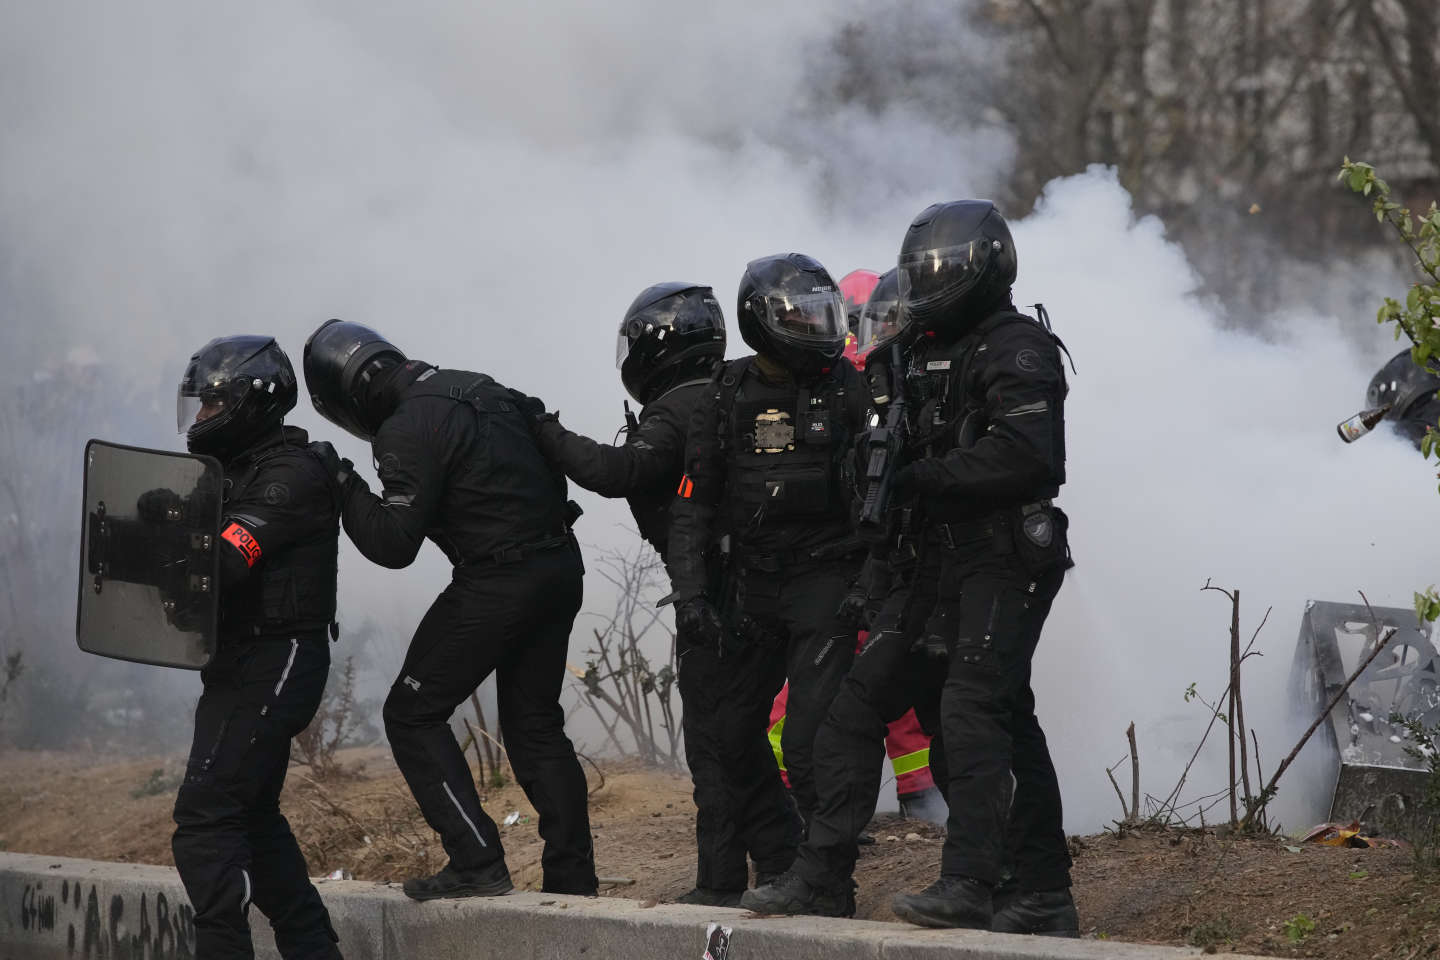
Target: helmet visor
[(194, 406), (944, 273), (881, 319), (679, 314), (807, 317)]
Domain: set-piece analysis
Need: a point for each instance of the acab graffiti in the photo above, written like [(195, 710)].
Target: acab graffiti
[(126, 931)]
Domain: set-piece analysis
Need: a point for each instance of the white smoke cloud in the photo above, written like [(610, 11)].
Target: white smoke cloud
[(491, 186), (1196, 453)]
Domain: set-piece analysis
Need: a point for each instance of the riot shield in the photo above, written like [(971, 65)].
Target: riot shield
[(149, 563)]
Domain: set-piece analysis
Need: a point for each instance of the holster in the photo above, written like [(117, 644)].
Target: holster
[(1035, 533)]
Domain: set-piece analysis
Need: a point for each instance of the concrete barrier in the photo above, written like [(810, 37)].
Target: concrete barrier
[(56, 908)]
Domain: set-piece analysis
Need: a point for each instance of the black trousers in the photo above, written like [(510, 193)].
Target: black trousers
[(811, 646), (978, 706), (741, 804), (513, 620), (232, 845)]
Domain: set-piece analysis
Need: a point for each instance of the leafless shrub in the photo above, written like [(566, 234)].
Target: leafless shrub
[(630, 695), (334, 725)]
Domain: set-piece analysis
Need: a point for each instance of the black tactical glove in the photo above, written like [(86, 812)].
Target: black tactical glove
[(154, 506), (340, 469), (697, 621), (862, 603), (851, 611), (532, 407)]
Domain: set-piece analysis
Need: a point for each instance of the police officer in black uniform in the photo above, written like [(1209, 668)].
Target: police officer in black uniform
[(959, 623), (278, 543), (460, 466), (670, 341), (767, 498)]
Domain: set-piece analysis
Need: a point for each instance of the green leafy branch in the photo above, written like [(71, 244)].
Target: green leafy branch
[(1417, 316)]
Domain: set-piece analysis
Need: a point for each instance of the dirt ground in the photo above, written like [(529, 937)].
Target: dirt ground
[(1256, 895)]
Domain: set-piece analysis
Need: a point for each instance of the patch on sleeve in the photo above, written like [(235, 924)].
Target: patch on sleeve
[(277, 494), (240, 538), (686, 488), (1029, 409), (388, 466), (1027, 360)]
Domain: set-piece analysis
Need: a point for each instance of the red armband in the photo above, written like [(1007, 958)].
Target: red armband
[(242, 540)]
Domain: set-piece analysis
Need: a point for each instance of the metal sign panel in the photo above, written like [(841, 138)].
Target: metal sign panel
[(149, 565), (1376, 778)]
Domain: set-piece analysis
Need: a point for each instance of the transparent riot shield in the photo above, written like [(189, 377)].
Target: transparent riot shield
[(149, 565)]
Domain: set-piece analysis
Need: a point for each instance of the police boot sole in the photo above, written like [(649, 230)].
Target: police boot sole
[(491, 888), (711, 898), (1064, 922), (788, 907), (1069, 934), (922, 917)]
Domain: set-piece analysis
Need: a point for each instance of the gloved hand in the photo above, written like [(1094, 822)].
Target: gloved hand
[(851, 611), (698, 621), (154, 506), (861, 604), (341, 470), (532, 407)]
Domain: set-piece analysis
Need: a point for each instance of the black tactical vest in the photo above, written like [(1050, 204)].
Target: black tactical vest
[(509, 435), (784, 445), (295, 587), (946, 397)]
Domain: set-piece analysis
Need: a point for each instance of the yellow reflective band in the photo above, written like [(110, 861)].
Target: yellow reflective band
[(910, 762), (774, 736)]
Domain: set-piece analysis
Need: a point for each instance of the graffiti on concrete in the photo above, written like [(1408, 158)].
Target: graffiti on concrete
[(147, 927)]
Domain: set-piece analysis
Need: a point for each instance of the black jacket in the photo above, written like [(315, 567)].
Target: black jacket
[(460, 466), (718, 460), (645, 469), (1000, 392), (279, 538)]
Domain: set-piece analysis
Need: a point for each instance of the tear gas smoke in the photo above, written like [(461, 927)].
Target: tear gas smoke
[(490, 187)]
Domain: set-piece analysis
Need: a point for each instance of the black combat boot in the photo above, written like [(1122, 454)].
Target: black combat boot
[(790, 894), (449, 883), (948, 902), (705, 897), (1049, 913)]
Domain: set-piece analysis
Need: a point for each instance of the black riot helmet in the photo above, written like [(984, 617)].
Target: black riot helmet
[(957, 262), (671, 329), (1409, 391), (234, 392), (344, 362), (881, 317), (790, 310)]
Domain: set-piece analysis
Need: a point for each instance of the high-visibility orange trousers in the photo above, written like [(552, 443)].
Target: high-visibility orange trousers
[(905, 743)]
